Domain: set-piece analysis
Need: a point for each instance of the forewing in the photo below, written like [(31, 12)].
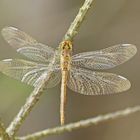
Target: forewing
[(105, 58), (26, 45), (96, 83), (27, 71), (55, 78)]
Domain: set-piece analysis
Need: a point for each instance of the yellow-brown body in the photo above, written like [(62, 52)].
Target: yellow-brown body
[(65, 61)]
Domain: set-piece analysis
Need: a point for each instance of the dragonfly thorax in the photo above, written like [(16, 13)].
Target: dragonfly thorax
[(66, 50)]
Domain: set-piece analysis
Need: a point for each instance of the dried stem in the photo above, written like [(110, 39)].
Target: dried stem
[(73, 29), (80, 124), (3, 134), (34, 97), (30, 103)]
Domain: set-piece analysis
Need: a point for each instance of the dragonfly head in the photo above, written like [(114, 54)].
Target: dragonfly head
[(66, 45)]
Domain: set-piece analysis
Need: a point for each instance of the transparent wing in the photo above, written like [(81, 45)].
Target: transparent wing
[(96, 83), (26, 45), (105, 58), (28, 72)]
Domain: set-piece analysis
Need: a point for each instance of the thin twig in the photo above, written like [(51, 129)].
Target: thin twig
[(80, 124), (73, 29), (30, 103), (34, 97), (3, 134)]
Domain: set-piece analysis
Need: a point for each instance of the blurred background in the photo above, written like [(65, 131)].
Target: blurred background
[(108, 23)]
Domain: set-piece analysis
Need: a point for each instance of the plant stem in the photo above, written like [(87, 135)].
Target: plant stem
[(30, 103), (80, 124), (3, 134), (74, 27)]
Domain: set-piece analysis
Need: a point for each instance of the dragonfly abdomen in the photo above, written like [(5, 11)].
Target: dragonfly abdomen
[(65, 61)]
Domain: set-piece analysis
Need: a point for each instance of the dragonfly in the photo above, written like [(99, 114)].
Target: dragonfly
[(78, 72)]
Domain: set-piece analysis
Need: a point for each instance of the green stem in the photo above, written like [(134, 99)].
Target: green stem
[(3, 134), (30, 103), (80, 124), (74, 27)]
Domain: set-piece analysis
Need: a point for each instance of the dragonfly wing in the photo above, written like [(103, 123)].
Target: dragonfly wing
[(88, 82), (26, 45), (55, 78), (105, 58), (26, 71)]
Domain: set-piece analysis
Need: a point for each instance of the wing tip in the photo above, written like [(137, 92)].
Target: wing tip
[(132, 48), (8, 29), (4, 61), (124, 84)]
